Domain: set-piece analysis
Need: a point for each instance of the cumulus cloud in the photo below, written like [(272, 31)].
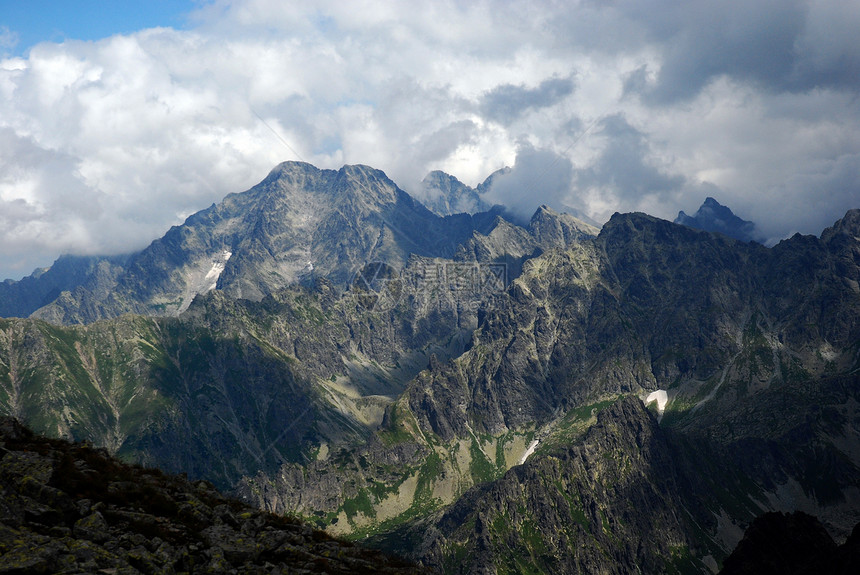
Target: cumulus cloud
[(624, 177), (779, 45), (44, 204), (598, 107)]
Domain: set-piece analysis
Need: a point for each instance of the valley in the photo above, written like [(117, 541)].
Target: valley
[(471, 391)]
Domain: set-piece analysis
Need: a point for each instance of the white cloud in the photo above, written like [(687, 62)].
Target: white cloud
[(106, 144), (537, 177)]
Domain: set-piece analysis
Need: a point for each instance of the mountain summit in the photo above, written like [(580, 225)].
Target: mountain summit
[(445, 195), (298, 224), (715, 217)]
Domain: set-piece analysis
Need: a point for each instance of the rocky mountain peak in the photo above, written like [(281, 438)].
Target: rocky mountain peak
[(445, 195), (298, 223), (548, 225), (440, 179), (485, 186), (622, 226), (351, 183), (290, 171), (715, 217), (848, 226), (543, 211)]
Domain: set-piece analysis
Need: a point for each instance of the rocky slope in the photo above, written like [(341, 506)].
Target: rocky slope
[(652, 305), (620, 499), (69, 508), (233, 386), (236, 386), (754, 351), (43, 286), (608, 296), (511, 244)]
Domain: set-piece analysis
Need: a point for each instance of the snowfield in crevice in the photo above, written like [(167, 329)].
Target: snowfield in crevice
[(217, 268), (661, 397), (203, 280), (529, 450)]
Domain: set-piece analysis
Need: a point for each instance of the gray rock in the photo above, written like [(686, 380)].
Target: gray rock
[(93, 528)]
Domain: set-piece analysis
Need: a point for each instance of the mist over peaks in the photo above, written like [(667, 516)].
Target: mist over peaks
[(715, 217), (538, 177)]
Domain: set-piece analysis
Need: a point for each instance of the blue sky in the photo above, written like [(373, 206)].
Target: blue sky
[(34, 21), (598, 107)]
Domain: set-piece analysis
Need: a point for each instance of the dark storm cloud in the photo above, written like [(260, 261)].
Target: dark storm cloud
[(753, 41), (507, 102), (835, 187), (623, 169), (775, 44)]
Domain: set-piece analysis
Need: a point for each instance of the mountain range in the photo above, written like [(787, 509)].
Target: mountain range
[(298, 223), (479, 394)]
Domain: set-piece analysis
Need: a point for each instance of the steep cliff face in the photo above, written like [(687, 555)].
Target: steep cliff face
[(626, 494), (445, 195), (511, 244), (651, 305), (613, 502), (580, 324)]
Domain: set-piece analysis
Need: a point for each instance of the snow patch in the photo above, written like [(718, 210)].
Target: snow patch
[(215, 272), (661, 397), (529, 450), (199, 281)]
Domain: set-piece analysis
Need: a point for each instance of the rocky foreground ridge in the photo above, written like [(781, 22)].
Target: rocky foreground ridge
[(69, 508)]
